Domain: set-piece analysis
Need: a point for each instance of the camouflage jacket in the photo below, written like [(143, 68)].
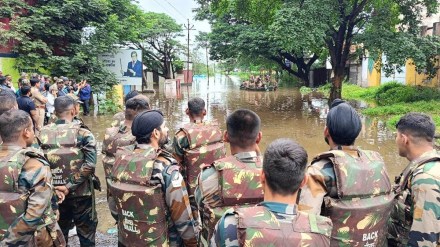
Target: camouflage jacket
[(115, 137), (83, 164), (34, 187), (179, 217), (416, 216), (195, 145), (118, 119), (228, 182), (352, 187), (284, 225)]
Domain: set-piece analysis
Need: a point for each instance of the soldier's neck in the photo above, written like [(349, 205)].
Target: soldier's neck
[(18, 143), (128, 123), (237, 149), (418, 150), (196, 119), (273, 197)]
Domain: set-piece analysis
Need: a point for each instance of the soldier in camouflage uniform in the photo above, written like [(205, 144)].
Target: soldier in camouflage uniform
[(150, 193), (349, 185), (196, 144), (233, 180), (118, 137), (28, 205), (415, 219), (71, 150), (276, 221), (119, 117), (8, 102)]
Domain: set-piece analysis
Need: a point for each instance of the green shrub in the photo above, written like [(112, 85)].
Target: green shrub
[(394, 92)]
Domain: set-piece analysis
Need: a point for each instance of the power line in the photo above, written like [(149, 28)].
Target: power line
[(176, 9), (167, 11)]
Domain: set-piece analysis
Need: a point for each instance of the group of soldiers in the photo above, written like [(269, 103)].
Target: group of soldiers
[(191, 193)]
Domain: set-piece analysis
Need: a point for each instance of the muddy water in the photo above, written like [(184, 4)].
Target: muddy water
[(284, 113)]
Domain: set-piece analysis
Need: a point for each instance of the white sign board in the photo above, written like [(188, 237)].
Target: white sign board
[(126, 65)]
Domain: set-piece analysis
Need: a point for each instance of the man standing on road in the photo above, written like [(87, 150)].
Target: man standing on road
[(40, 102), (26, 104), (29, 205), (150, 192), (349, 185), (415, 219), (233, 180), (71, 150), (85, 92)]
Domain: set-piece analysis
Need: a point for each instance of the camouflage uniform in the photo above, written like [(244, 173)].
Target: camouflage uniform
[(73, 164), (415, 220), (115, 137), (271, 224), (352, 187), (118, 119), (228, 182), (27, 200), (151, 199), (197, 144)]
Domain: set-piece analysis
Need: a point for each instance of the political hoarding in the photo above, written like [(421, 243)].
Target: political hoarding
[(126, 64)]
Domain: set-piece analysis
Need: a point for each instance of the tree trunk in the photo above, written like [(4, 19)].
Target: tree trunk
[(336, 88)]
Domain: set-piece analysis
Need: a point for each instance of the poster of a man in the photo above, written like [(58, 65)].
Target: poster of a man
[(134, 67), (126, 64)]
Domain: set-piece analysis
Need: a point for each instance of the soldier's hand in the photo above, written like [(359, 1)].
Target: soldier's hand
[(57, 214), (62, 189), (60, 196)]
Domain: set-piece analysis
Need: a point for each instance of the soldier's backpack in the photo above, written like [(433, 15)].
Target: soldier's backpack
[(115, 137), (141, 206), (59, 144), (239, 185), (205, 146), (362, 207), (257, 226), (12, 202)]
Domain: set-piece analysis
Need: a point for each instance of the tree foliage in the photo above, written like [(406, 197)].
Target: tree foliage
[(309, 28)]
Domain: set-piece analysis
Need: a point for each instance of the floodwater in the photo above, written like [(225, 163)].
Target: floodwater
[(284, 113)]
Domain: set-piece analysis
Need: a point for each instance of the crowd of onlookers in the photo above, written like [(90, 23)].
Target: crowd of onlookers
[(36, 94)]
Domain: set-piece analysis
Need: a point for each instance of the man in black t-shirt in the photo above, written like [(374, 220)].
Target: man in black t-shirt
[(26, 104)]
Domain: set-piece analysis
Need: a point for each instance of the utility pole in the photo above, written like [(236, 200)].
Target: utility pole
[(207, 63), (188, 28)]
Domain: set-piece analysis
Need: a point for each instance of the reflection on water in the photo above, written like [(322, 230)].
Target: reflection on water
[(284, 113)]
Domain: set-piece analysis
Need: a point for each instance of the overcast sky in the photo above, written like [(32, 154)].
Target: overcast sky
[(180, 10)]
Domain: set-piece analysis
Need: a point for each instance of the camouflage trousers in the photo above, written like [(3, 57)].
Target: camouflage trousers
[(79, 212)]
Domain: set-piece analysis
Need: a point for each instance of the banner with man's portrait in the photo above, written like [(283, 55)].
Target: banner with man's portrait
[(126, 64)]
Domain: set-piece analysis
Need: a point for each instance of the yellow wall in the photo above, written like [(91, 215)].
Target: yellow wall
[(413, 78), (7, 65), (373, 75)]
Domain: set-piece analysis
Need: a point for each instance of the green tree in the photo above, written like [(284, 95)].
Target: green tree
[(389, 27), (64, 37)]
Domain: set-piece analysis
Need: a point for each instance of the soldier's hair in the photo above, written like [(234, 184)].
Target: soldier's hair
[(8, 101), (130, 95), (343, 123), (34, 82), (63, 104), (135, 105), (284, 166), (12, 123), (243, 126), (417, 125), (196, 106)]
